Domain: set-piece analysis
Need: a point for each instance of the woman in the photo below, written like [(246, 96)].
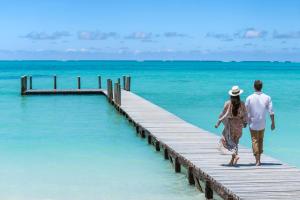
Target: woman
[(234, 118)]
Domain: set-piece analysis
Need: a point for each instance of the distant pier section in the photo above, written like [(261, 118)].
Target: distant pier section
[(192, 148)]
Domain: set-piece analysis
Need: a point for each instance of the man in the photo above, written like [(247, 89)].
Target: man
[(257, 105)]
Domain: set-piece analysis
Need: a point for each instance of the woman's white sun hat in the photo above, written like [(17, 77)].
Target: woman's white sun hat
[(235, 91)]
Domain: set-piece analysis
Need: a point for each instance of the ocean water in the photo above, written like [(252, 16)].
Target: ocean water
[(79, 147)]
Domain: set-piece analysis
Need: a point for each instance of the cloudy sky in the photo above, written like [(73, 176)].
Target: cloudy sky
[(150, 29)]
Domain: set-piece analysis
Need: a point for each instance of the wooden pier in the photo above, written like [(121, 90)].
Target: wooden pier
[(195, 149)]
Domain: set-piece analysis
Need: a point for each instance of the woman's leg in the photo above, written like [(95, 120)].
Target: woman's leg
[(236, 156)]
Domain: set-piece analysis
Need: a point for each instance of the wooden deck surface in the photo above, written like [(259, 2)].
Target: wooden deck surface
[(196, 149)]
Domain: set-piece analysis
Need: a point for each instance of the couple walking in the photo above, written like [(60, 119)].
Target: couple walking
[(237, 114)]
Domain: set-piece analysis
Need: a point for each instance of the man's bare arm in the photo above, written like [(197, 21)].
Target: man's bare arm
[(272, 116)]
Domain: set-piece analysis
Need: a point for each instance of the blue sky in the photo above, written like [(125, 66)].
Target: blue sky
[(150, 29)]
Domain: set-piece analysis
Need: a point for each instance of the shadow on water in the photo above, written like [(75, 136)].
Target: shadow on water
[(252, 165)]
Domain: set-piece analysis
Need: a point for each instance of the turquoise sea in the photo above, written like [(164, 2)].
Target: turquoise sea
[(80, 148)]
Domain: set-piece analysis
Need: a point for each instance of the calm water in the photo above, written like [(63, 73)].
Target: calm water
[(71, 147)]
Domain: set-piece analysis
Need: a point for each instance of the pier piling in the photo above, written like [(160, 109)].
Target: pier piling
[(124, 82), (55, 82), (208, 191), (99, 82), (127, 83), (109, 90), (177, 166), (30, 82), (78, 82), (23, 84)]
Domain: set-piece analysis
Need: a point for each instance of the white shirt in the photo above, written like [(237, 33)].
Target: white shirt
[(257, 105)]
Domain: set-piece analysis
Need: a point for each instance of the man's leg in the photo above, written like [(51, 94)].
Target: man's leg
[(255, 144), (261, 144)]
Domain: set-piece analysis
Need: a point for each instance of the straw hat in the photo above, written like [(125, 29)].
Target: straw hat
[(235, 91)]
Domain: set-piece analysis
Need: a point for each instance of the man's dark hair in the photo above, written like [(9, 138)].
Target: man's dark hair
[(258, 85)]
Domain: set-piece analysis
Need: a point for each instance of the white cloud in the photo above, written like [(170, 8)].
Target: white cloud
[(142, 36), (96, 35), (46, 36), (174, 34), (289, 35), (252, 33)]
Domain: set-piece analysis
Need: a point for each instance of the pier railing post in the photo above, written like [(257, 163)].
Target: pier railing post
[(208, 191), (30, 82), (55, 82), (99, 82), (115, 93), (127, 83), (119, 94), (109, 90), (78, 82), (23, 84), (124, 82)]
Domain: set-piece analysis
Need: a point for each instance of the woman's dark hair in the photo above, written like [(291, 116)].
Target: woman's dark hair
[(236, 102)]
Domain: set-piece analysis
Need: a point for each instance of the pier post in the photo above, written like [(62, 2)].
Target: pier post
[(109, 90), (177, 166), (124, 82), (78, 82), (191, 176), (149, 139), (208, 191), (23, 84), (120, 94), (157, 147), (30, 82), (99, 82), (127, 83), (55, 82), (115, 93), (166, 154)]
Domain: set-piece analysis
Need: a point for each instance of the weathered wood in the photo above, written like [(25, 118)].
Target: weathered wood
[(55, 82), (124, 82), (149, 139), (157, 146), (109, 90), (177, 165), (23, 85), (115, 93), (166, 154), (30, 82), (191, 176), (99, 82), (119, 93), (208, 191), (78, 82), (127, 83)]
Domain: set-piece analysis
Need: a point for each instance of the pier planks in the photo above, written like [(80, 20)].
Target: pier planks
[(196, 148)]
